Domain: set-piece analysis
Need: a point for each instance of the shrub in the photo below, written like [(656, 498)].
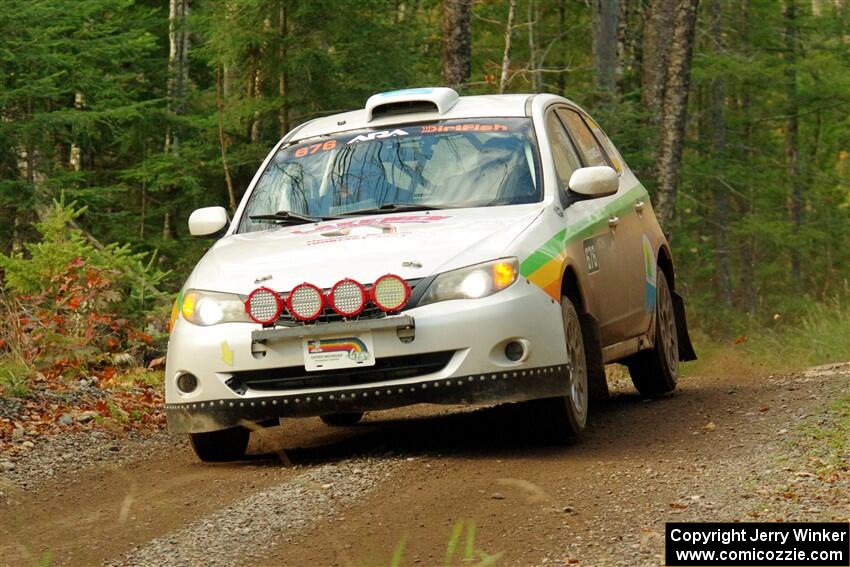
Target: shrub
[(76, 303), (62, 242)]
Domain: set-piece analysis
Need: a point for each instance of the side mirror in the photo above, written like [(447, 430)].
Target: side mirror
[(598, 181), (206, 221)]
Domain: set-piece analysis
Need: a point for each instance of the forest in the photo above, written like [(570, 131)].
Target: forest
[(120, 117)]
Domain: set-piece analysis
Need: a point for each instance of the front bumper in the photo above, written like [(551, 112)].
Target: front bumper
[(473, 333), (514, 385)]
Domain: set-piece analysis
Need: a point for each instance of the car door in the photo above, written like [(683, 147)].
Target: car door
[(638, 226), (624, 295), (587, 217)]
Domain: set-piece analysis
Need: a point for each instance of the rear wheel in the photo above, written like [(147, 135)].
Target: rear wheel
[(342, 419), (566, 416), (655, 371), (220, 446)]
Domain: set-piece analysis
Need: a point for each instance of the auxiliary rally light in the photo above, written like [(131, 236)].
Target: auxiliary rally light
[(305, 302), (264, 305), (390, 292), (348, 297)]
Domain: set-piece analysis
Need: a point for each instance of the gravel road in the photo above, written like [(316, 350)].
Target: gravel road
[(721, 449)]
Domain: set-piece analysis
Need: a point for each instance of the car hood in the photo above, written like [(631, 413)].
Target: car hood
[(411, 245)]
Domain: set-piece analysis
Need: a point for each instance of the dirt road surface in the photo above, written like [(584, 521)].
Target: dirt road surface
[(720, 449)]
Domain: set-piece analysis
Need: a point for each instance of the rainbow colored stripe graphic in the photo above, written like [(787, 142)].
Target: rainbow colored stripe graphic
[(545, 266), (344, 344)]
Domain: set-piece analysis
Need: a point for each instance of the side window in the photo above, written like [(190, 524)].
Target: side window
[(613, 152), (563, 152), (585, 140)]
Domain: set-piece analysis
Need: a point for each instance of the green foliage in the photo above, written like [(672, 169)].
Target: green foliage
[(46, 559), (13, 379), (470, 554), (398, 553), (77, 302), (62, 243)]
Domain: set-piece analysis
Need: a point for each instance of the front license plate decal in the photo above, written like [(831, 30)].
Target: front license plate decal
[(343, 351)]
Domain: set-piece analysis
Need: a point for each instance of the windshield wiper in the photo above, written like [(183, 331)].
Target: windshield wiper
[(288, 218), (394, 208)]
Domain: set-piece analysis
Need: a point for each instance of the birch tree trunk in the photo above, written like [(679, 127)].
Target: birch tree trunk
[(177, 86), (75, 157), (506, 57), (533, 49), (606, 15), (655, 52), (628, 24), (792, 134), (746, 287), (283, 74), (457, 42), (178, 65), (255, 84), (256, 80), (222, 142), (674, 110), (561, 80), (717, 119)]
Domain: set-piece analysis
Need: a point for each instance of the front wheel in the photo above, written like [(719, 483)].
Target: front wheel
[(566, 416), (655, 371), (220, 446)]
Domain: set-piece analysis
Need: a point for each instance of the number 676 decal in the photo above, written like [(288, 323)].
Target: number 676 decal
[(590, 256), (315, 148)]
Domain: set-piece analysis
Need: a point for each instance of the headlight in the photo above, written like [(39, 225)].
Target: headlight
[(473, 282), (207, 308)]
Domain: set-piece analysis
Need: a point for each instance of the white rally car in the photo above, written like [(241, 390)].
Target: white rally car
[(427, 248)]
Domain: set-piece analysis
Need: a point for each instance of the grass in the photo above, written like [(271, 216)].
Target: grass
[(151, 378), (827, 443), (460, 549), (13, 379), (820, 337)]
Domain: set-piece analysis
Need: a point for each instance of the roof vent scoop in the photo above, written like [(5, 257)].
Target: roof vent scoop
[(439, 99)]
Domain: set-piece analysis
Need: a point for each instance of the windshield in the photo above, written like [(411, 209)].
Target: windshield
[(446, 164)]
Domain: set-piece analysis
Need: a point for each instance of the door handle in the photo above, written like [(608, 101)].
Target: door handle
[(613, 221), (639, 205)]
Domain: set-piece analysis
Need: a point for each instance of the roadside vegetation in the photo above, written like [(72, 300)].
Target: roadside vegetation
[(825, 442), (80, 323), (783, 342)]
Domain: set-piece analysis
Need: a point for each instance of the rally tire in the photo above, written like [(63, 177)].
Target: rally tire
[(342, 419), (221, 446), (566, 416), (655, 372)]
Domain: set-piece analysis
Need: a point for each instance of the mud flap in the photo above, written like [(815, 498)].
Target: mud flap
[(597, 384), (686, 349)]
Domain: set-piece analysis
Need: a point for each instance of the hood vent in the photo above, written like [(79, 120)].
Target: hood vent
[(408, 107), (410, 101)]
